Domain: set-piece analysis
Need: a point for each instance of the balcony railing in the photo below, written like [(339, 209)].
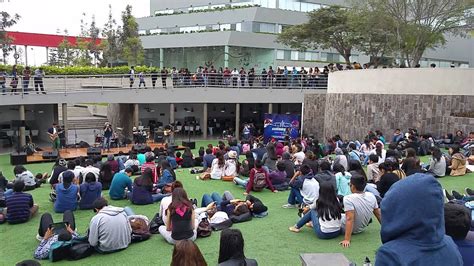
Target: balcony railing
[(99, 83)]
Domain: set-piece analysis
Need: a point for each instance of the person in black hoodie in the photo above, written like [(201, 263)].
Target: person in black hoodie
[(325, 175), (256, 206), (259, 151), (289, 165), (58, 168), (387, 179)]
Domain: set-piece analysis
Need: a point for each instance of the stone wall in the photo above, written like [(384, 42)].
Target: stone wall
[(121, 115), (313, 118), (353, 115)]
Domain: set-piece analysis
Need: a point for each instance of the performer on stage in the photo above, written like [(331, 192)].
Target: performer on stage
[(169, 134), (53, 133), (108, 132)]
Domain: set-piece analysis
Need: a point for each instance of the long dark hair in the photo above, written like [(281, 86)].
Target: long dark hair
[(231, 246), (179, 198), (250, 159), (327, 205), (378, 149), (271, 152), (436, 153), (356, 166), (220, 158), (146, 179), (338, 168), (187, 253), (187, 152), (165, 165)]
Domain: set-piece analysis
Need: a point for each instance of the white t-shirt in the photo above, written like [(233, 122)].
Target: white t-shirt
[(299, 157), (164, 204), (330, 226), (217, 171), (381, 159), (90, 169), (363, 205)]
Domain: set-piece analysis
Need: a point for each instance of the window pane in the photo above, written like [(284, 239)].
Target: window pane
[(307, 56), (324, 56), (272, 4), (280, 54), (238, 27), (294, 55), (314, 56)]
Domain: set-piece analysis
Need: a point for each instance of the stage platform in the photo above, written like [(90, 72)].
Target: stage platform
[(73, 153)]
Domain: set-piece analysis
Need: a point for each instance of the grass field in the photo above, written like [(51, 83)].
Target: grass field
[(267, 240)]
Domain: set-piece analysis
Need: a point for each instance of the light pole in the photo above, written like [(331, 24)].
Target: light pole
[(34, 56)]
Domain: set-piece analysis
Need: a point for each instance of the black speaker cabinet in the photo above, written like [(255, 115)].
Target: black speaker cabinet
[(190, 144), (93, 151), (49, 155), (139, 148), (17, 158)]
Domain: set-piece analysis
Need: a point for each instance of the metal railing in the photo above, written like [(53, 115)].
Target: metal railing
[(68, 84)]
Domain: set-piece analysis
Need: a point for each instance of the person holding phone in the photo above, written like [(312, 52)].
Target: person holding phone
[(50, 232)]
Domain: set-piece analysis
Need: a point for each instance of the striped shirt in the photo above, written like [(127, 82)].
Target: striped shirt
[(18, 207)]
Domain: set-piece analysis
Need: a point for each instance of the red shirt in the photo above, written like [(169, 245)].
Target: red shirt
[(252, 177)]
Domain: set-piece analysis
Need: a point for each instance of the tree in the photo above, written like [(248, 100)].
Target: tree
[(111, 44), (330, 27), (6, 21), (94, 49), (132, 49), (423, 24)]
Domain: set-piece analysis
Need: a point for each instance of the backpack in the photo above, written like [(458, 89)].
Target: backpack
[(259, 181), (74, 249), (155, 224), (140, 230), (204, 228)]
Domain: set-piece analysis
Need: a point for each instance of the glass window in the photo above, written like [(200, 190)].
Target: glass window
[(314, 56), (287, 55), (238, 27), (354, 58), (294, 55), (324, 56), (142, 32), (155, 31), (272, 4), (280, 54), (307, 56), (301, 56), (279, 28), (224, 27), (267, 27)]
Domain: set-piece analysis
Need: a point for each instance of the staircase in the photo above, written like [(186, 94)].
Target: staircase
[(79, 117)]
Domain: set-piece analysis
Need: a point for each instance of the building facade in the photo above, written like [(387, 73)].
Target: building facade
[(233, 33)]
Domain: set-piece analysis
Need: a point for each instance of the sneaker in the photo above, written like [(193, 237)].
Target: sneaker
[(309, 224), (447, 196), (289, 206), (469, 192), (456, 195), (294, 229), (39, 238)]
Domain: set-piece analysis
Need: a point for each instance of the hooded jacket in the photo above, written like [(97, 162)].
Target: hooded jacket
[(89, 192), (27, 177), (110, 230), (414, 234)]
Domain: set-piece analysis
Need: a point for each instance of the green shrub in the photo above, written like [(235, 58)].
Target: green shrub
[(76, 70)]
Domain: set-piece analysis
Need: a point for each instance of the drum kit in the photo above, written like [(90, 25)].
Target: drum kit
[(115, 142)]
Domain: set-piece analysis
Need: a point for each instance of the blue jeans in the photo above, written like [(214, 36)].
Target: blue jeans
[(128, 211), (295, 196), (8, 192), (106, 143), (241, 182), (215, 197), (312, 215)]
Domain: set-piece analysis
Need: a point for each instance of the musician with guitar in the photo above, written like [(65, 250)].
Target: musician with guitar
[(169, 133), (53, 134)]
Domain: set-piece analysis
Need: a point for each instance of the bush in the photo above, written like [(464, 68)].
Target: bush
[(76, 70)]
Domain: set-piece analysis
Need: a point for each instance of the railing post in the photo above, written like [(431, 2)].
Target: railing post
[(102, 89), (65, 85)]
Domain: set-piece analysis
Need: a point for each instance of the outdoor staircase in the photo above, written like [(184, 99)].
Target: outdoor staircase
[(79, 117)]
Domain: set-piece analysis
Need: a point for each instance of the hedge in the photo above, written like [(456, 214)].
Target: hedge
[(76, 70)]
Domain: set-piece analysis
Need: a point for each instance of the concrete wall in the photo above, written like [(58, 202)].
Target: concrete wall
[(386, 99)]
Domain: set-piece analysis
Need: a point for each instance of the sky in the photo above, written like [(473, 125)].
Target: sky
[(47, 16)]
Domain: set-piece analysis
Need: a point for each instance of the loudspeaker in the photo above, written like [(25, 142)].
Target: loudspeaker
[(17, 158), (50, 155), (190, 144), (139, 148), (92, 151), (159, 136)]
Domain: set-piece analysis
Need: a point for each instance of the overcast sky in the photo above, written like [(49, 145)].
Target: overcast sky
[(46, 16)]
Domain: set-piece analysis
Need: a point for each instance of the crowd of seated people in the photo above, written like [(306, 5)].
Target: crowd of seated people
[(328, 185)]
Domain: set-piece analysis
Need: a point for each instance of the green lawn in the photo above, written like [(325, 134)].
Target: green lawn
[(268, 239)]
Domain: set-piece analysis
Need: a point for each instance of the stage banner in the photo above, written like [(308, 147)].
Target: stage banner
[(278, 126)]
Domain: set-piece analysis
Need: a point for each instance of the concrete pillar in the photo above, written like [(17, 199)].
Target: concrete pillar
[(270, 108), (275, 56), (204, 121), (65, 123), (56, 113), (162, 57), (136, 115), (26, 55), (171, 113), (21, 130), (47, 55), (226, 56), (237, 120)]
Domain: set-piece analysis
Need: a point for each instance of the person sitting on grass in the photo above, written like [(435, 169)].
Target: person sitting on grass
[(20, 206), (231, 249), (325, 175), (207, 160), (247, 164), (373, 173), (58, 168), (90, 168), (257, 181), (437, 166), (188, 158), (218, 166), (342, 180), (109, 230), (413, 228), (232, 206), (150, 164), (458, 162), (289, 165), (132, 160), (457, 222), (67, 194), (120, 182), (167, 175), (325, 214), (181, 222), (21, 174), (171, 158), (304, 188), (48, 235), (143, 191), (166, 201), (358, 207), (387, 179), (186, 252), (278, 177), (90, 190)]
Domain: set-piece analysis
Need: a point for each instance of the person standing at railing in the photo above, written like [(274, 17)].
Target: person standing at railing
[(242, 77), (264, 77), (294, 77), (26, 79), (235, 77), (38, 80), (14, 82), (212, 76), (271, 75), (174, 76), (141, 78), (205, 76), (3, 81), (154, 77), (285, 76), (131, 74), (164, 76), (251, 76)]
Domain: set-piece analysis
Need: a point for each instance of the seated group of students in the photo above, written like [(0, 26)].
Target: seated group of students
[(334, 198)]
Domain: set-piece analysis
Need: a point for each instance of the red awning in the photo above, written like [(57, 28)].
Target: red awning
[(42, 40)]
